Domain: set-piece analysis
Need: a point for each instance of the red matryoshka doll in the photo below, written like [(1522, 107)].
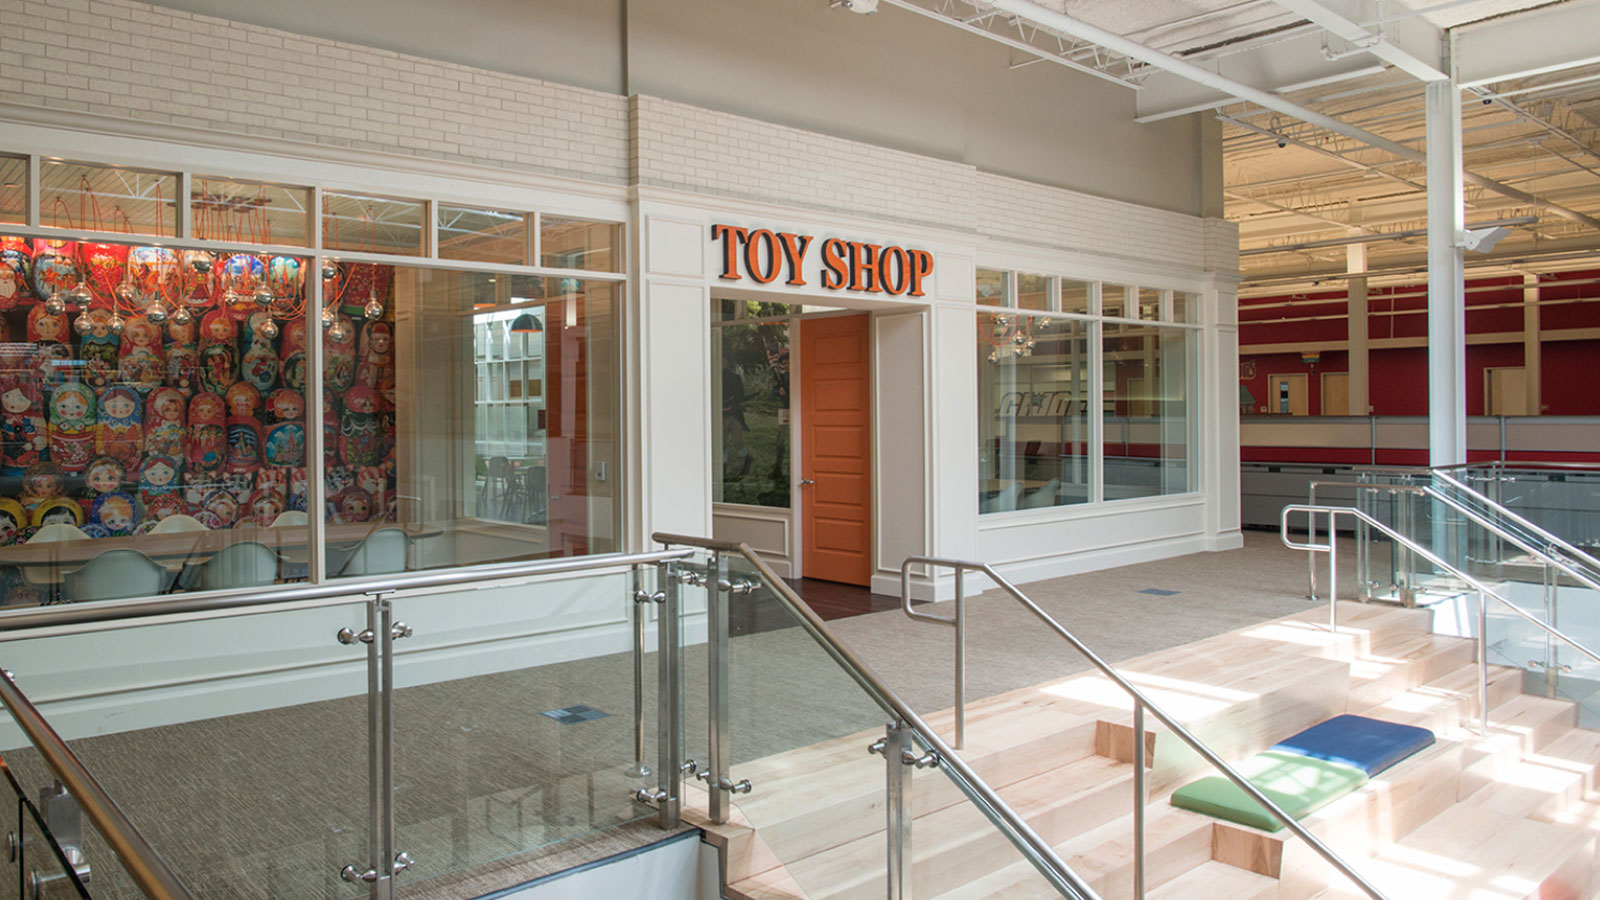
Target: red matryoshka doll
[(339, 349), (330, 430), (98, 346), (104, 475), (121, 432), (140, 357), (163, 422), (72, 425), (219, 507), (208, 434), (297, 487), (286, 405), (259, 366), (50, 333), (264, 507), (23, 437), (353, 505), (377, 357), (154, 275), (244, 401), (244, 445), (197, 278), (16, 271), (360, 440), (104, 267), (55, 268), (158, 478), (361, 282), (292, 373), (241, 276), (219, 351), (13, 520), (183, 357)]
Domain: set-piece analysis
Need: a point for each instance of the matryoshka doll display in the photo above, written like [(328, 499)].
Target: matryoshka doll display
[(163, 422), (208, 435), (159, 488), (49, 335), (197, 279), (55, 267), (154, 276), (339, 350), (219, 352), (360, 440), (183, 357), (72, 426), (244, 430), (97, 346), (23, 436), (42, 483), (115, 513), (259, 365), (265, 506), (104, 475), (16, 271), (13, 521), (141, 360), (121, 432), (377, 357), (103, 267)]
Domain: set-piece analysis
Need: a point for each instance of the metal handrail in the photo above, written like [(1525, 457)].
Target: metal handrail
[(1141, 703), (1482, 590), (141, 861), (1554, 540), (213, 601), (1036, 849)]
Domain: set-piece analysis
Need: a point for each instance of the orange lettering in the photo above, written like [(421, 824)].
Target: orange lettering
[(902, 270), (921, 267), (730, 248), (794, 250), (864, 267), (833, 264), (752, 256)]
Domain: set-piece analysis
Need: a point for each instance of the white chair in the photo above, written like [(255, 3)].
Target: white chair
[(1041, 497), (383, 552), (55, 532), (290, 518), (115, 574), (1004, 501), (178, 523), (241, 565), (296, 560)]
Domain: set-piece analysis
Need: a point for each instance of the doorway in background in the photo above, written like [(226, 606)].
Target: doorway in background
[(835, 486)]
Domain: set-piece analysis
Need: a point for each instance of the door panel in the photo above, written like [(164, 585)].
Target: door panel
[(836, 450)]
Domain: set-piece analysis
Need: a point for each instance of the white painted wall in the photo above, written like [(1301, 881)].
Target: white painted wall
[(680, 869)]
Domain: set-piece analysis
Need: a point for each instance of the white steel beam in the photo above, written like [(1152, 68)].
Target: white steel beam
[(1447, 316), (1279, 68), (1556, 37), (1420, 60)]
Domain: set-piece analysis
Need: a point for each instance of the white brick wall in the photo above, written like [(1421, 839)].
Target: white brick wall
[(132, 60)]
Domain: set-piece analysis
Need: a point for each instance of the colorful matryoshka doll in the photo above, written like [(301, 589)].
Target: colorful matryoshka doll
[(154, 274), (219, 509), (286, 405), (42, 482), (244, 445), (103, 267), (140, 358), (284, 445), (208, 435), (241, 276), (55, 268), (58, 511), (159, 488), (353, 505), (72, 425), (259, 366), (13, 520), (104, 475), (339, 351), (23, 438), (219, 352), (163, 422), (121, 431), (297, 487), (264, 507), (377, 357), (183, 357), (197, 279), (98, 345), (16, 271), (292, 373), (360, 439), (49, 334), (117, 513)]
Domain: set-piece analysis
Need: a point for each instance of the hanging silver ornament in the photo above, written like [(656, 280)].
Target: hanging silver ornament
[(263, 296), (230, 297), (268, 329), (156, 313), (373, 309), (82, 324), (340, 332), (182, 316), (200, 264), (117, 323), (328, 318), (126, 294), (329, 270), (55, 305), (81, 295)]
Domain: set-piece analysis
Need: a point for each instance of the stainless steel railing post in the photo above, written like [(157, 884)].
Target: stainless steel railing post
[(716, 773), (961, 660), (383, 888), (669, 696), (1483, 665), (897, 810), (377, 798), (1139, 798), (640, 603), (1333, 574)]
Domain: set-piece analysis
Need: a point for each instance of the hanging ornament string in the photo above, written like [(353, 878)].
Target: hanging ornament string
[(59, 209)]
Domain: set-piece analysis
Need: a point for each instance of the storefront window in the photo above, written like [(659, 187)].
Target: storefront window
[(1033, 389), (249, 212), (753, 394), (483, 235), (1075, 296), (1185, 306), (371, 224), (580, 244), (1033, 291), (108, 198), (1149, 423), (1150, 305), (992, 285), (13, 190)]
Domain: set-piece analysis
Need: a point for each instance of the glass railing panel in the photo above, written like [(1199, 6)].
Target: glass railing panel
[(237, 745), (510, 735), (799, 732), (1562, 501), (51, 868), (38, 860)]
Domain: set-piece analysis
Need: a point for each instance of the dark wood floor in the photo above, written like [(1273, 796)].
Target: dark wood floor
[(831, 600)]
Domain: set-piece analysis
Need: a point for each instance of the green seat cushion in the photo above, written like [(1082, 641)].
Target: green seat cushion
[(1299, 785)]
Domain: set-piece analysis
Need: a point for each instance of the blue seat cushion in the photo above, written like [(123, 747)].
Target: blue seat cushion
[(1370, 745)]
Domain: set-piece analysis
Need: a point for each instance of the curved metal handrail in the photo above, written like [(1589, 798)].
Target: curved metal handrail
[(1141, 703), (1482, 590), (141, 861), (1036, 849)]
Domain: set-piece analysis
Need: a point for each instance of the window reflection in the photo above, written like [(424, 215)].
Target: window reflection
[(1033, 389), (1149, 426), (753, 448)]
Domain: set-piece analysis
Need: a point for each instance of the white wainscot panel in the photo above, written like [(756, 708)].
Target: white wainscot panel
[(678, 429), (1030, 549), (766, 530), (674, 247), (954, 277)]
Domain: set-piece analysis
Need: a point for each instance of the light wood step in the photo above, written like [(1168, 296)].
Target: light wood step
[(1465, 852), (1543, 785), (1216, 881), (1404, 662), (1448, 702)]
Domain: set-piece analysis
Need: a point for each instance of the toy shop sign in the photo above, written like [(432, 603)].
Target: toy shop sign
[(764, 256)]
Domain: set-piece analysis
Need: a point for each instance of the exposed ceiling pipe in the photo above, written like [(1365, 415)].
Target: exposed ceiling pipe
[(966, 25), (1385, 236), (1076, 28)]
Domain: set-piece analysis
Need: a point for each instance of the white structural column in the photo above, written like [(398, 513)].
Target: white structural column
[(1447, 336), (1356, 330), (1532, 345)]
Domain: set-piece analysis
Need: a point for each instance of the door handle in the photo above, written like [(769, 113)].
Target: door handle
[(806, 481)]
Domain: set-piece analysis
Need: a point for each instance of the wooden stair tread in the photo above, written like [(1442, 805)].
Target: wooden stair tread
[(1216, 881)]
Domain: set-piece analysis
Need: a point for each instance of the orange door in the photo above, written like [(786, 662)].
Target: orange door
[(836, 450)]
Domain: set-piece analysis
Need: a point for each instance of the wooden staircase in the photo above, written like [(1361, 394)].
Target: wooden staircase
[(1511, 815)]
